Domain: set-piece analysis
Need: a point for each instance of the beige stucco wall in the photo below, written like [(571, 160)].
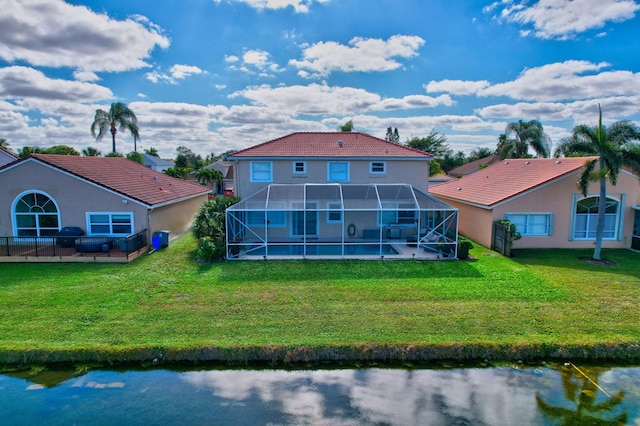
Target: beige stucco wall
[(473, 222), (75, 198), (476, 223), (415, 173), (176, 218)]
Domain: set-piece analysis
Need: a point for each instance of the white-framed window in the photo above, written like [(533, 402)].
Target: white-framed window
[(338, 171), (35, 214), (105, 223), (299, 167), (377, 167), (261, 171), (532, 224), (585, 218), (334, 212)]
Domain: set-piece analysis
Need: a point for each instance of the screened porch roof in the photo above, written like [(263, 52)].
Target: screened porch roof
[(336, 196)]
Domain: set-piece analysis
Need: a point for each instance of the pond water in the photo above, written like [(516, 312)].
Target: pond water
[(509, 395)]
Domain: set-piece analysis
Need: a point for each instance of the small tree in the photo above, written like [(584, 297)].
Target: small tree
[(207, 176), (136, 156), (210, 228), (392, 135), (177, 172), (347, 127), (91, 152)]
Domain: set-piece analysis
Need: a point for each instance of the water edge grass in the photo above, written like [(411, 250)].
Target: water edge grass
[(541, 304)]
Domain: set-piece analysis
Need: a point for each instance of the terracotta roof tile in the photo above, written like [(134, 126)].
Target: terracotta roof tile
[(474, 166), (507, 179), (327, 144), (125, 177)]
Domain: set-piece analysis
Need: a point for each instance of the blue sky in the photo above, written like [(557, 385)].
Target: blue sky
[(215, 75)]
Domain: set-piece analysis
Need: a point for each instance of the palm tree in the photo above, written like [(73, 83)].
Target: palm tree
[(152, 151), (91, 152), (581, 391), (613, 150), (208, 176), (120, 117), (520, 136)]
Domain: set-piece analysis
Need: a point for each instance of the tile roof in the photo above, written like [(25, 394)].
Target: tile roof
[(507, 179), (152, 160), (328, 145), (125, 177), (474, 166)]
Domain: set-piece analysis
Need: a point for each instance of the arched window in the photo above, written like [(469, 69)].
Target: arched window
[(36, 215), (586, 218)]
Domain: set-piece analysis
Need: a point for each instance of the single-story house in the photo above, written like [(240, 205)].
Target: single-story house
[(541, 198), (156, 163), (103, 196), (336, 195), (226, 168)]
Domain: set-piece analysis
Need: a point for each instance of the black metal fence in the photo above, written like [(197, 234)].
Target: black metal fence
[(73, 246)]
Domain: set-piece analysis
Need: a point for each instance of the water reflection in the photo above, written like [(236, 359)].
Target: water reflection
[(589, 403), (478, 396)]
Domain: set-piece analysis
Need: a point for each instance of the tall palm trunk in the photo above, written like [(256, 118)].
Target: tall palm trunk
[(114, 130), (602, 205)]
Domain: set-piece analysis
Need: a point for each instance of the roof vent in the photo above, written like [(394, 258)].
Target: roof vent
[(459, 188), (527, 162), (155, 177), (506, 162), (340, 143), (558, 161)]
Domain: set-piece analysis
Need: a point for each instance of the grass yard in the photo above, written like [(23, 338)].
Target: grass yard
[(167, 303)]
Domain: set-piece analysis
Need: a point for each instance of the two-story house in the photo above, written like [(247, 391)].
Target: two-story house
[(336, 194)]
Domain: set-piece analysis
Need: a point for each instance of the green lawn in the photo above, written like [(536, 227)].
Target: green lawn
[(166, 302)]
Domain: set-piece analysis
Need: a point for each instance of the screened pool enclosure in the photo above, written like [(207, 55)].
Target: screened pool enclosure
[(326, 221)]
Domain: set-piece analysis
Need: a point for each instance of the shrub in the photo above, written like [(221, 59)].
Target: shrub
[(209, 250), (210, 230), (464, 245)]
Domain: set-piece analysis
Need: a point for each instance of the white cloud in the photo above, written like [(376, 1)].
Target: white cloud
[(321, 99), (361, 55), (85, 76), (176, 72), (563, 19), (254, 62), (300, 6), (53, 33), (569, 80), (456, 87), (23, 82)]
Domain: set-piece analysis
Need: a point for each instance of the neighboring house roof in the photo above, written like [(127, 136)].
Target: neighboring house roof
[(474, 166), (6, 156), (123, 176), (152, 160), (507, 179), (224, 167), (439, 178), (330, 145)]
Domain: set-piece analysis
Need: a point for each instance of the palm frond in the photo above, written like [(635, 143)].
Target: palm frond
[(586, 176)]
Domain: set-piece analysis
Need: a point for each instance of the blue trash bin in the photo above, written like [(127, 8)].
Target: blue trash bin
[(155, 240)]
